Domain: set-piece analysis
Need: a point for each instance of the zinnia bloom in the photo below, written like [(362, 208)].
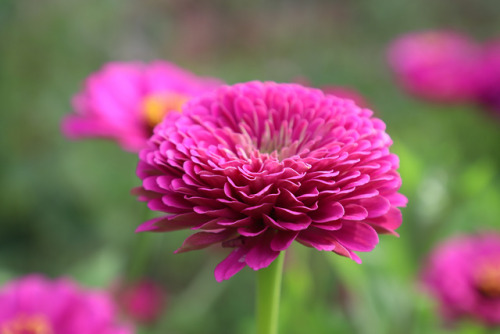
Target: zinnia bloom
[(124, 101), (143, 301), (463, 274), (36, 305), (256, 166), (488, 88), (436, 65)]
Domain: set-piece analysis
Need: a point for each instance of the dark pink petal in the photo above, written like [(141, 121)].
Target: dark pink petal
[(289, 199), (143, 195), (298, 224), (233, 204), (203, 239), (272, 223), (258, 210), (387, 223), (321, 240), (397, 199), (357, 236), (341, 250), (232, 264), (376, 206), (330, 226), (171, 223), (236, 223), (283, 239), (252, 230), (224, 212), (328, 210), (355, 212), (261, 255)]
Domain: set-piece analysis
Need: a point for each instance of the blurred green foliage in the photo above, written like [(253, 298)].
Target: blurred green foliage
[(66, 208)]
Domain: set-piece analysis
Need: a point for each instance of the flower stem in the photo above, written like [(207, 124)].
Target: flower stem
[(268, 296)]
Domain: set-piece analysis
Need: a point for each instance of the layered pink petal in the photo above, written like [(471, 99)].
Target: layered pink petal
[(265, 164)]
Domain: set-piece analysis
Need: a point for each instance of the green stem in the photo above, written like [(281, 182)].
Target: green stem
[(268, 296)]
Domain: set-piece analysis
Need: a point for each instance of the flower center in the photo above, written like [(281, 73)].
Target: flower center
[(488, 279), (156, 106), (27, 324)]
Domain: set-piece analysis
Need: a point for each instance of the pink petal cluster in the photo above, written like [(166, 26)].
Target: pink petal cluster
[(114, 101), (256, 166), (488, 91), (463, 274), (143, 301), (436, 65), (37, 305)]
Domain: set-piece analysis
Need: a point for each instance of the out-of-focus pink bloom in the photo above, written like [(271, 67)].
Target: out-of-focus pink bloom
[(36, 305), (256, 166), (124, 101), (436, 65), (143, 301), (488, 88), (463, 274)]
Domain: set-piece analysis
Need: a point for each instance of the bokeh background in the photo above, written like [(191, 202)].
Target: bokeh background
[(66, 208)]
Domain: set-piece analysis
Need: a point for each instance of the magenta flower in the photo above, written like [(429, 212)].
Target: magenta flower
[(463, 274), (36, 305), (143, 301), (488, 88), (436, 65), (124, 101), (256, 166)]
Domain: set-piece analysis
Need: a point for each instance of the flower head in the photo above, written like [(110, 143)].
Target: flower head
[(124, 101), (463, 274), (436, 65), (256, 166), (36, 305)]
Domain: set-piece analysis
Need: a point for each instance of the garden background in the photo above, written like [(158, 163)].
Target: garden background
[(66, 207)]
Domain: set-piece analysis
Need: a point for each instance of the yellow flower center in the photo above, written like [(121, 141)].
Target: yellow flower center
[(488, 279), (156, 106), (27, 324)]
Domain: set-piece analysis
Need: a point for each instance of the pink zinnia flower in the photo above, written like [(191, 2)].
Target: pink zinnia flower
[(436, 65), (124, 101), (36, 305), (463, 274), (256, 166), (143, 301), (488, 88)]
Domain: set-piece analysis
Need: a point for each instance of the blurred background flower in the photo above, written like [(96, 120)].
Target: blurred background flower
[(436, 65), (36, 305), (124, 101), (488, 93), (463, 275), (143, 301)]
